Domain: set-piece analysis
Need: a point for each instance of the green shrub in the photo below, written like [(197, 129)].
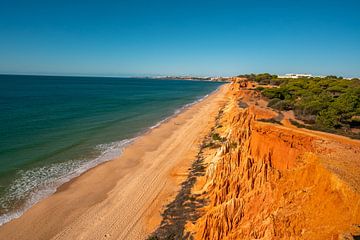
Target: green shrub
[(273, 102), (216, 137), (329, 103), (283, 105), (211, 144), (328, 119)]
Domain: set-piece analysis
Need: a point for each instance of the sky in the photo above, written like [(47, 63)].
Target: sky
[(203, 38)]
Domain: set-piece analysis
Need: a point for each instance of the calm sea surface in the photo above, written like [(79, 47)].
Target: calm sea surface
[(54, 128)]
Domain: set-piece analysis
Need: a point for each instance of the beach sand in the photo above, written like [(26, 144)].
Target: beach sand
[(123, 198)]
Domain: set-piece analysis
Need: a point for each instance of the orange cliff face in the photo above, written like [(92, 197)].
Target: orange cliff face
[(268, 181)]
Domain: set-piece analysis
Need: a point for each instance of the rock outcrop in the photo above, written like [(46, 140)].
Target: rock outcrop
[(268, 181)]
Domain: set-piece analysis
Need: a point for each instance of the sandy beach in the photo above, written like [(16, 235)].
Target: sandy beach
[(123, 198)]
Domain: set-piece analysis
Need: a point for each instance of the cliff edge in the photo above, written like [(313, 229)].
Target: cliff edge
[(259, 177), (269, 180)]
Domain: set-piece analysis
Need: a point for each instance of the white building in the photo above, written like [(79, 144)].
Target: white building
[(295, 75)]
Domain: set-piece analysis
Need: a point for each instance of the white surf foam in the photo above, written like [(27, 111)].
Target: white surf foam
[(35, 184)]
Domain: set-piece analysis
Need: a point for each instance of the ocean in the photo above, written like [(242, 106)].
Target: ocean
[(54, 128)]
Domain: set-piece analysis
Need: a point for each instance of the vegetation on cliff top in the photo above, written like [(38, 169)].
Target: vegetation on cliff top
[(330, 103)]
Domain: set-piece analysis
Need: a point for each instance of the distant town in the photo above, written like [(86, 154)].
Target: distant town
[(227, 79), (301, 75), (212, 79)]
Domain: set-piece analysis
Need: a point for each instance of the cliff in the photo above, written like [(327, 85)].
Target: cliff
[(270, 180)]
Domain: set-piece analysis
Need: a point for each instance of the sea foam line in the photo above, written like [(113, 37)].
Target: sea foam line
[(39, 183)]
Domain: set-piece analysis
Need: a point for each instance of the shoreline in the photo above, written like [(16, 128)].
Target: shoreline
[(56, 186), (74, 200)]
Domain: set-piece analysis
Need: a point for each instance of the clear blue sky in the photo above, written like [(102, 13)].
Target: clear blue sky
[(180, 37)]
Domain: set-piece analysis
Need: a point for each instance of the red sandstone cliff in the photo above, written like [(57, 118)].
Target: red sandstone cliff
[(268, 181)]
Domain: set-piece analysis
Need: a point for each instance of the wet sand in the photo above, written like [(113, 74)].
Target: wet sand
[(123, 198)]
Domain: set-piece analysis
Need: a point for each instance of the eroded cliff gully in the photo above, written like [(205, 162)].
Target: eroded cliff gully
[(268, 181)]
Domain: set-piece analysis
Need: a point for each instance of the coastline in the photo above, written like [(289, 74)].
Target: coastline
[(136, 183), (109, 152)]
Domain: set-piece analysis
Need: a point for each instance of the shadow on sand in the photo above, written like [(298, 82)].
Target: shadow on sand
[(185, 207)]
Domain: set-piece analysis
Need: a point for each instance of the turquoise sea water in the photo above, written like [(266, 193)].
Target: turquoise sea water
[(54, 128)]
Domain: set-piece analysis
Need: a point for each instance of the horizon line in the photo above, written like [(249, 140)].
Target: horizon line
[(159, 75)]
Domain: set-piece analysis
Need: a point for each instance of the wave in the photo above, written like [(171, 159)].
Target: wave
[(33, 185)]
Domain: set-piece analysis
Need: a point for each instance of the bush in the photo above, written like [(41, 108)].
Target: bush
[(216, 137), (328, 119), (329, 103), (276, 81), (283, 105), (211, 145), (273, 102)]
